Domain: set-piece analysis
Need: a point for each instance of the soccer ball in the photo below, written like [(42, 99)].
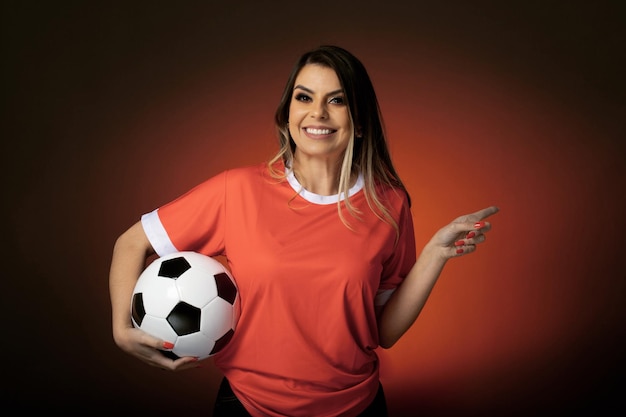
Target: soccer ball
[(188, 299)]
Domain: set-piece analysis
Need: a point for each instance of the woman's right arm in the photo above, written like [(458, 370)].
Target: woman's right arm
[(130, 253)]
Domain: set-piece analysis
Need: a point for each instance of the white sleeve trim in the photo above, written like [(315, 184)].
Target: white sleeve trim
[(382, 296), (157, 235)]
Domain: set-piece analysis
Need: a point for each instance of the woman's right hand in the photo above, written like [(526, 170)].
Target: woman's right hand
[(147, 348)]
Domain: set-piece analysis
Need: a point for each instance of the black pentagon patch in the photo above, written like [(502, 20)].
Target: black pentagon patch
[(138, 310), (222, 341), (174, 268), (184, 319), (225, 287)]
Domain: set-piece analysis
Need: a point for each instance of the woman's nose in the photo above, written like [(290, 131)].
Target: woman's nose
[(320, 111)]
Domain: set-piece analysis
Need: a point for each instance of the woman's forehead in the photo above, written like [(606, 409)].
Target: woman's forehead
[(317, 79)]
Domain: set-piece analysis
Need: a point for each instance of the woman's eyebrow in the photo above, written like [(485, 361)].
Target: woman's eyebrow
[(308, 90)]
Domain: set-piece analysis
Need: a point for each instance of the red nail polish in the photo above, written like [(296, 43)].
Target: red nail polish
[(459, 251), (478, 225), (168, 345), (459, 243), (470, 235)]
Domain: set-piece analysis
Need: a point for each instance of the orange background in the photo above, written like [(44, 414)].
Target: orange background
[(115, 110)]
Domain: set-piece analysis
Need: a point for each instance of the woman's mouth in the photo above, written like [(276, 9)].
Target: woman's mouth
[(318, 131)]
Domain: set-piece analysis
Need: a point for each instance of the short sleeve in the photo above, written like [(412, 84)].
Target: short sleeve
[(403, 257), (193, 221)]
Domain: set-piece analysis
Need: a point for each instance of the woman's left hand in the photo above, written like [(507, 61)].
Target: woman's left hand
[(461, 236)]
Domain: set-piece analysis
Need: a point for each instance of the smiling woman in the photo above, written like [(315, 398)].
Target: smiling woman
[(321, 244)]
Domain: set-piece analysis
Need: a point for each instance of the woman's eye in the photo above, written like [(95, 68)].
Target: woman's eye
[(337, 100), (302, 97)]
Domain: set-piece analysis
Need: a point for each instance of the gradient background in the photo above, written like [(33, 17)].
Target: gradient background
[(111, 110)]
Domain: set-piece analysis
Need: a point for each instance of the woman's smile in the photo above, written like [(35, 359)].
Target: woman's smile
[(318, 132)]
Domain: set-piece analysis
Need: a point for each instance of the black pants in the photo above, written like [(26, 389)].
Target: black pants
[(227, 405)]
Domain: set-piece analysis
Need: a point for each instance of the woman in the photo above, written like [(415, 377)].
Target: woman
[(321, 243)]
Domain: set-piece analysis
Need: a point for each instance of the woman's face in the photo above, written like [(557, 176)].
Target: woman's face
[(319, 121)]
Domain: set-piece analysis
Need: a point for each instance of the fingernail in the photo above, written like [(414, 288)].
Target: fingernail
[(478, 225), (168, 345), (470, 235), (459, 243), (459, 251)]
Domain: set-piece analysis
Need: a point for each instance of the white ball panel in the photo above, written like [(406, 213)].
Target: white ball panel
[(216, 318), (197, 287), (160, 295), (158, 327), (195, 344)]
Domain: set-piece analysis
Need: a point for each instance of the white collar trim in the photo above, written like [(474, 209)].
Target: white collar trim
[(322, 199)]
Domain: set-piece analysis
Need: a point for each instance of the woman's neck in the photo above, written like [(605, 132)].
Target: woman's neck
[(318, 177)]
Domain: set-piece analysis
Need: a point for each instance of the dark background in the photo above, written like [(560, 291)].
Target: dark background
[(112, 109)]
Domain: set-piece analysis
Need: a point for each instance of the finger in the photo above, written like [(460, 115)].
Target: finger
[(477, 215), (187, 362), (466, 246), (158, 344), (460, 250), (480, 227), (158, 360), (154, 349), (484, 213), (472, 238), (147, 339), (180, 364), (472, 234), (468, 227)]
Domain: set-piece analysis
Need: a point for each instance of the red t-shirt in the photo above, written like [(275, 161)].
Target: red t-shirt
[(304, 344)]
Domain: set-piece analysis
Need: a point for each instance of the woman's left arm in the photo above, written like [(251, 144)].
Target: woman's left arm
[(458, 238)]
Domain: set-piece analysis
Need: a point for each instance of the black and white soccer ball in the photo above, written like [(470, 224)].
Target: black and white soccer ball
[(188, 299)]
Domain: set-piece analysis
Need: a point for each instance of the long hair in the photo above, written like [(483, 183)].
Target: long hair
[(367, 153)]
